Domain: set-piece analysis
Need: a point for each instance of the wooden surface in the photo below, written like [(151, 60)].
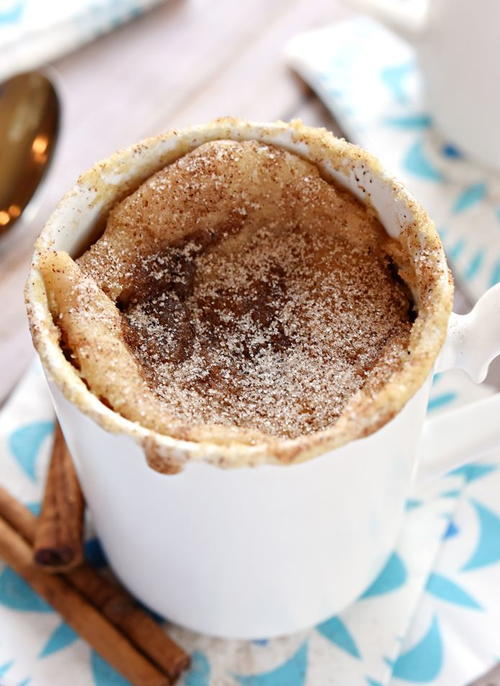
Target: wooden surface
[(183, 63)]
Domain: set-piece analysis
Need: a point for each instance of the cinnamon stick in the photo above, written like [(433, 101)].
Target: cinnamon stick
[(116, 604), (58, 544), (78, 613), (123, 611)]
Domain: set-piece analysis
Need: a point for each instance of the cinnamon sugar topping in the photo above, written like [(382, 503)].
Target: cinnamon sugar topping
[(276, 336), (239, 308), (253, 293)]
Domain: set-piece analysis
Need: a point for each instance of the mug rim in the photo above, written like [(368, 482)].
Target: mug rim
[(108, 181)]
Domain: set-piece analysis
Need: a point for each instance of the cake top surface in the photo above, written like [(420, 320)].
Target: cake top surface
[(251, 292), (247, 205)]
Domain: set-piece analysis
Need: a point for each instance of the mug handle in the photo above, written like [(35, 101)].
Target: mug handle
[(393, 16), (459, 436), (473, 339)]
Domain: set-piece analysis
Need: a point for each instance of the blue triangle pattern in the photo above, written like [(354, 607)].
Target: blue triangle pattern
[(392, 576), (412, 504), (394, 78), (25, 444), (438, 401), (372, 682), (475, 264), (16, 594), (34, 508), (446, 589), (424, 661), (469, 197), (471, 472), (5, 667), (62, 637), (451, 531), (290, 673), (199, 672), (437, 378), (451, 151), (453, 493), (13, 14), (416, 162), (410, 121), (456, 250), (336, 632), (487, 550), (103, 674)]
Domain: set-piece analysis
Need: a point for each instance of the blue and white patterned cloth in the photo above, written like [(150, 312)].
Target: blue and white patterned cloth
[(430, 617), (33, 33), (433, 614)]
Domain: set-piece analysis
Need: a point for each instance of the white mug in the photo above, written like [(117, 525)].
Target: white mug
[(253, 551), (457, 43)]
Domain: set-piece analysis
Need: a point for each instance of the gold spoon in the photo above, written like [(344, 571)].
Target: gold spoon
[(29, 125)]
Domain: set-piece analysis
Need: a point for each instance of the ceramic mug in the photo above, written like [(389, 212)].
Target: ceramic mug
[(255, 551), (458, 49)]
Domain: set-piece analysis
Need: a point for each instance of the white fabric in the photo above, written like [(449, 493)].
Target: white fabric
[(33, 32)]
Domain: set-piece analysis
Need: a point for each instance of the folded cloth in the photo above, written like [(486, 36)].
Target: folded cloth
[(369, 79), (32, 32), (439, 584)]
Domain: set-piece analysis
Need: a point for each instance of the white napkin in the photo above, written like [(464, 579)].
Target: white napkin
[(33, 32), (364, 645)]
